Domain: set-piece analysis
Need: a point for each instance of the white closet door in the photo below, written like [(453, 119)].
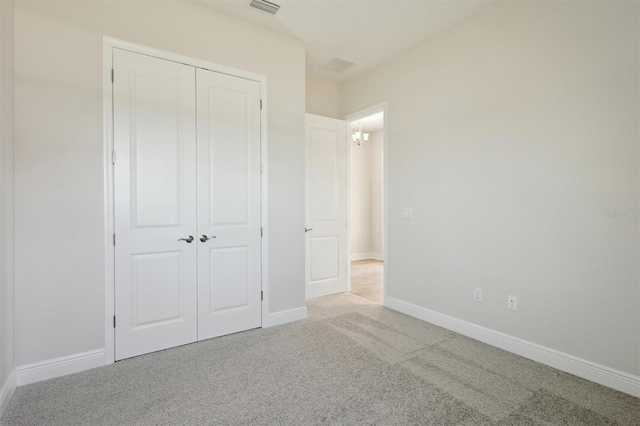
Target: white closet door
[(229, 258), (155, 204), (326, 208)]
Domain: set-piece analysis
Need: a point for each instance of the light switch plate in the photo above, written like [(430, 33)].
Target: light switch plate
[(407, 213)]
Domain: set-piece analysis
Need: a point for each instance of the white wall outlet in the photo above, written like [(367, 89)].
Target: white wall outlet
[(407, 213), (477, 294), (512, 303)]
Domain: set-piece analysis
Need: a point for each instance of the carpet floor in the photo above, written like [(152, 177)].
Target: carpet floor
[(352, 362)]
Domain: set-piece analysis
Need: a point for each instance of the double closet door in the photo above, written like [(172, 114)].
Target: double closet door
[(187, 204)]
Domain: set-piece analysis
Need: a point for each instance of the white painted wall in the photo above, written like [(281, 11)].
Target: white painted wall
[(366, 198), (6, 191), (59, 165), (510, 134), (322, 97)]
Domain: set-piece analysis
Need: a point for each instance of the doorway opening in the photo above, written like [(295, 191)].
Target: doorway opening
[(366, 202)]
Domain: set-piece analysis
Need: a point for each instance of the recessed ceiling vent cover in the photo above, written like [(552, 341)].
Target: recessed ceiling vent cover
[(337, 65), (265, 6)]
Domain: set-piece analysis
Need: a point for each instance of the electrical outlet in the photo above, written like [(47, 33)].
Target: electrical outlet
[(407, 213), (477, 294), (512, 303)]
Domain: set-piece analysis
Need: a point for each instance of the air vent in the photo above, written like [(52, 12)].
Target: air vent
[(265, 6), (337, 65)]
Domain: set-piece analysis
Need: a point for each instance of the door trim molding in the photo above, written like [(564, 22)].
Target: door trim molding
[(373, 109), (108, 45)]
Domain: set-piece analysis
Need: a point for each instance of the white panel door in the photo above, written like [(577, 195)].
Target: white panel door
[(326, 206), (155, 204), (229, 234)]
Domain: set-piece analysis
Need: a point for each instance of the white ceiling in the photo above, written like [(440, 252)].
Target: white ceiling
[(365, 32), (373, 123)]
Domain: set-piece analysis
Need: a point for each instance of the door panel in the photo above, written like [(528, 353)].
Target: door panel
[(324, 174), (155, 297), (155, 204), (155, 149), (229, 160), (323, 254), (326, 206), (229, 265), (229, 284)]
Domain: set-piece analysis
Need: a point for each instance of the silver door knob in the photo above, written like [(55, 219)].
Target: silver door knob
[(204, 238), (189, 239), (308, 229)]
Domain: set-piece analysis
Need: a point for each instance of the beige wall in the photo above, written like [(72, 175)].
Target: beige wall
[(360, 200), (322, 97), (366, 209), (376, 140), (6, 190), (510, 134), (59, 164)]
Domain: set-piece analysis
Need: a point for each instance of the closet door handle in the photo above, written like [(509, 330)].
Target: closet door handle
[(308, 229), (189, 239), (204, 238)]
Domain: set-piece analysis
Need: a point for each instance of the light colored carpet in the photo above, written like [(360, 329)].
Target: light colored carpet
[(352, 362)]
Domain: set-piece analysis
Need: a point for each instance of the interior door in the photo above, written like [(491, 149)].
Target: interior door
[(326, 206), (229, 222), (155, 204)]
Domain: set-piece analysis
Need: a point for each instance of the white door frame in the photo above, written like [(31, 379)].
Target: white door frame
[(358, 115), (108, 45)]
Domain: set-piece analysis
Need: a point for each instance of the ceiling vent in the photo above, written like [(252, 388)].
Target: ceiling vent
[(265, 6), (337, 65)]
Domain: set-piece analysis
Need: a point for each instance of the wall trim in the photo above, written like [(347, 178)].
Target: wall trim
[(365, 256), (6, 392), (57, 367), (598, 373), (284, 317)]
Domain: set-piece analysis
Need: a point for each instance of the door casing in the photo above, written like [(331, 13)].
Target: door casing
[(109, 44)]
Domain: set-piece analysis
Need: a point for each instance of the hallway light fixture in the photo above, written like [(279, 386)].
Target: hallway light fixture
[(358, 137)]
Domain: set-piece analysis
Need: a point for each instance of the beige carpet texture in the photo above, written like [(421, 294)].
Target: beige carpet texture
[(352, 362)]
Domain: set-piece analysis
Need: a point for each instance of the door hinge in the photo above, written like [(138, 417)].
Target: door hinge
[(114, 321), (114, 240), (112, 75), (260, 103), (261, 232), (261, 168), (262, 295), (113, 157)]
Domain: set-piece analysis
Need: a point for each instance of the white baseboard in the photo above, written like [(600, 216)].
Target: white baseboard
[(6, 392), (283, 317), (615, 379), (365, 256), (57, 367)]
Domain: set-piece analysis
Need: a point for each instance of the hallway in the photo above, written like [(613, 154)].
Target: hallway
[(366, 279)]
